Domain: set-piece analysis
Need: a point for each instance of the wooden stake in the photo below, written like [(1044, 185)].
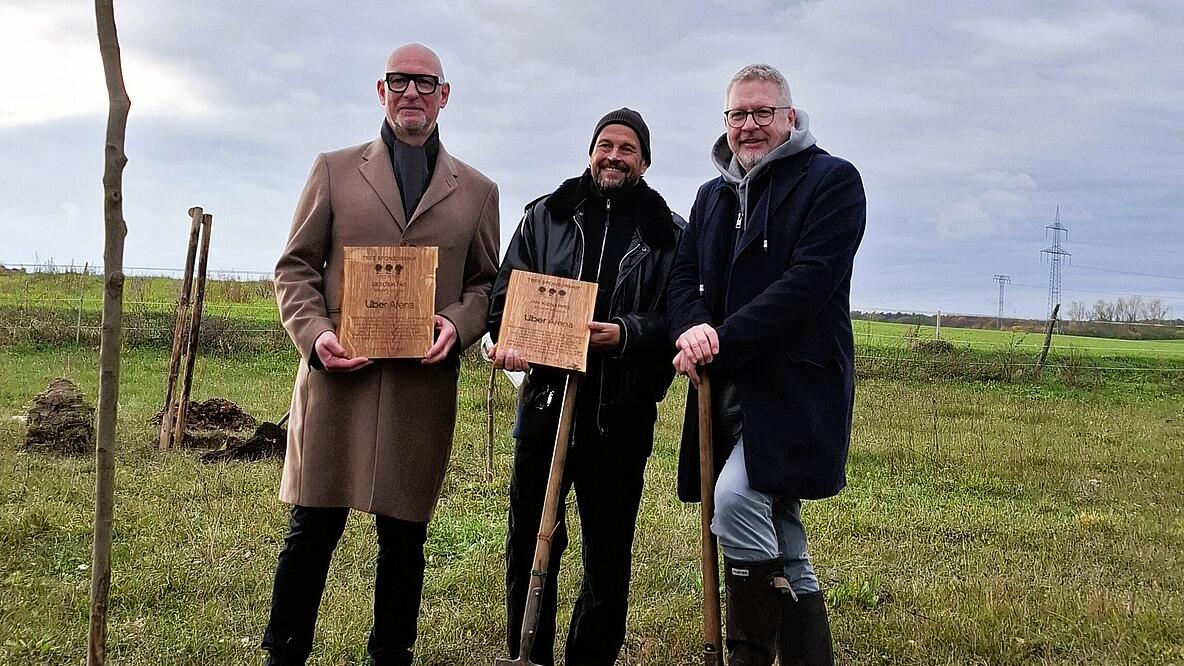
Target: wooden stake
[(81, 295), (179, 328), (490, 390), (1052, 321), (114, 232), (199, 298)]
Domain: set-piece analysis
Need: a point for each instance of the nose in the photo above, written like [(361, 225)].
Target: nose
[(749, 123), (411, 92)]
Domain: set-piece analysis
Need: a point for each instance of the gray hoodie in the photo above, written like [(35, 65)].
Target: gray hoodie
[(729, 167)]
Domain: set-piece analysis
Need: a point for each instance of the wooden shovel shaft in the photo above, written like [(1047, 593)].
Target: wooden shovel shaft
[(542, 549), (709, 561)]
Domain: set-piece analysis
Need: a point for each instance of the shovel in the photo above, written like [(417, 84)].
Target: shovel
[(542, 549), (709, 556)]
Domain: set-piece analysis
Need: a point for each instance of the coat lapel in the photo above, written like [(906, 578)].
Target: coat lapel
[(377, 170), (442, 184), (780, 185), (717, 247)]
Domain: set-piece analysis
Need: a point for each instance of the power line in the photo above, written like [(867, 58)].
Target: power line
[(1099, 293), (1114, 270)]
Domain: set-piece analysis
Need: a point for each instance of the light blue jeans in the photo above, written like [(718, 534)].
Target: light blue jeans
[(753, 526)]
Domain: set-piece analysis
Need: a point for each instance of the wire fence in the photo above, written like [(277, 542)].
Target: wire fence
[(42, 304), (900, 353)]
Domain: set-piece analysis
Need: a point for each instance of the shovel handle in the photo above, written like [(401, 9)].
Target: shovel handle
[(542, 549), (709, 555)]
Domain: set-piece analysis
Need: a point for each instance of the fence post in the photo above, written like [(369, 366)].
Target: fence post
[(1047, 340), (937, 333)]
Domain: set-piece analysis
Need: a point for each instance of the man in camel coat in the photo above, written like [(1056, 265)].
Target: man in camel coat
[(375, 435)]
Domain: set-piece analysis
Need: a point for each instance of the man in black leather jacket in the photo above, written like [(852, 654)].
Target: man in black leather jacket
[(606, 226)]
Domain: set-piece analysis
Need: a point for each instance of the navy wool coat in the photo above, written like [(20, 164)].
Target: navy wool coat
[(781, 308)]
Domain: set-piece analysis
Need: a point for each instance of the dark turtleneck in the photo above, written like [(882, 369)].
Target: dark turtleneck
[(621, 223), (413, 165)]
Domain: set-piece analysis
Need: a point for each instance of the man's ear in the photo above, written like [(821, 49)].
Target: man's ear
[(444, 90)]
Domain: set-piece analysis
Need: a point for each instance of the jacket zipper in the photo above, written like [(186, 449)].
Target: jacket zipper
[(608, 216), (580, 228), (732, 262), (611, 301)]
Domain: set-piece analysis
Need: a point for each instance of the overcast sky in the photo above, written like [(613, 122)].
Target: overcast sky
[(970, 123)]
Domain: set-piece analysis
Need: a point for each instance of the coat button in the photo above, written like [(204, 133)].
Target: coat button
[(404, 242)]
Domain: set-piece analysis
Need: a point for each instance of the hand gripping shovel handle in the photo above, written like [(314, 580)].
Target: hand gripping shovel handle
[(542, 549), (709, 560)]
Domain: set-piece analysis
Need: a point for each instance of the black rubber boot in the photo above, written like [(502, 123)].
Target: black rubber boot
[(754, 610), (805, 632)]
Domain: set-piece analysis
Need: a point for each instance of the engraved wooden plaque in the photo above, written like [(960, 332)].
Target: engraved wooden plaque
[(389, 301), (546, 318)]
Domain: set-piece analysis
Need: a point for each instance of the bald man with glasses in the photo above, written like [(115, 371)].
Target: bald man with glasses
[(374, 435)]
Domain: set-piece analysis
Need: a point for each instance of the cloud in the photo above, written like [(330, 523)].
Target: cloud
[(970, 123)]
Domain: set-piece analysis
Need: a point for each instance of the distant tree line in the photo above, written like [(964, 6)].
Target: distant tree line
[(1148, 322), (1133, 309)]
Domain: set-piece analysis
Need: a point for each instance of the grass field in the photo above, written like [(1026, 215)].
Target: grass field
[(992, 517), (985, 523)]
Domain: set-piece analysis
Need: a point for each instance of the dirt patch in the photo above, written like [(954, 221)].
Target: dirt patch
[(60, 421), (214, 423), (214, 414)]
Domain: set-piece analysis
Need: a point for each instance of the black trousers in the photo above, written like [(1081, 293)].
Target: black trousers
[(313, 533), (607, 475)]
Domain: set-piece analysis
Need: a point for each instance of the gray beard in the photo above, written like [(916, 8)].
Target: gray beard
[(610, 189)]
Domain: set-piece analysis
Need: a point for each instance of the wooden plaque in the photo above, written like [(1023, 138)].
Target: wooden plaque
[(389, 301), (546, 318)]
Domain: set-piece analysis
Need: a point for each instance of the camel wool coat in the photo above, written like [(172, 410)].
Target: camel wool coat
[(378, 439)]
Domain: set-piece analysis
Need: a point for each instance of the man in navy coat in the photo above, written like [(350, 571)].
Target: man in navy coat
[(759, 295)]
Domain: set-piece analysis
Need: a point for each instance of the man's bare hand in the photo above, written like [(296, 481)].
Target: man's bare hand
[(334, 357), (508, 359), (445, 339), (700, 343), (684, 365), (605, 336)]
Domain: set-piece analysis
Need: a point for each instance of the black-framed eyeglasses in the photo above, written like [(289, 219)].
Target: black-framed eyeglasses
[(762, 116), (425, 84)]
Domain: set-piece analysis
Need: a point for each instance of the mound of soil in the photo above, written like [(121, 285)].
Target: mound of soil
[(59, 420), (214, 414)]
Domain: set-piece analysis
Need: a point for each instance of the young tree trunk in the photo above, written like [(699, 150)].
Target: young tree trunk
[(114, 232)]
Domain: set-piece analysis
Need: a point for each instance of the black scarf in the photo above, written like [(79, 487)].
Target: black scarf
[(413, 165)]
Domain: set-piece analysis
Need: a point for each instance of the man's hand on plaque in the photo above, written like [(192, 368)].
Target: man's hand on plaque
[(508, 359), (334, 357), (605, 336), (445, 339)]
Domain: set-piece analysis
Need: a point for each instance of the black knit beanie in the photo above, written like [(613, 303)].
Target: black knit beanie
[(631, 119)]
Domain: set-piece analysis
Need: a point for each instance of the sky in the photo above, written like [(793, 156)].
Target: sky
[(971, 124)]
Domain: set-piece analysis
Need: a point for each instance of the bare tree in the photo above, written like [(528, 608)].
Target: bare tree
[(1154, 310), (115, 229), (1102, 311), (1078, 311), (1135, 308)]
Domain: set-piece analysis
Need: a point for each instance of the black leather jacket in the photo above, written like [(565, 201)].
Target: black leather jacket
[(550, 240)]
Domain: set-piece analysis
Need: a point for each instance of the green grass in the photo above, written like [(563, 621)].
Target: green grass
[(877, 333), (984, 523)]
